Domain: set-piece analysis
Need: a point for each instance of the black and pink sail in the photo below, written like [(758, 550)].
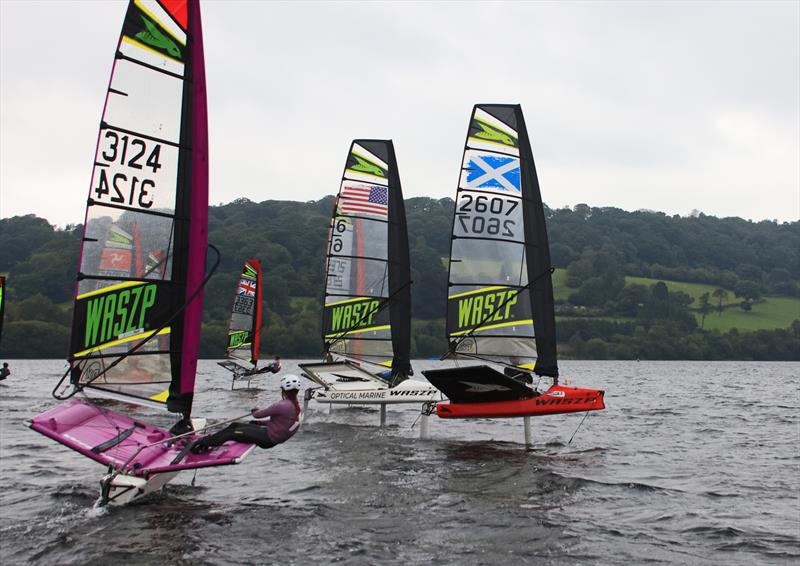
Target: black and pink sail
[(148, 199), (138, 295)]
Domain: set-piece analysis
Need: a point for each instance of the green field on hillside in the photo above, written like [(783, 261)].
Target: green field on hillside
[(772, 312), (694, 290)]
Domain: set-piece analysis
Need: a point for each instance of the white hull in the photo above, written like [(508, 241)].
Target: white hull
[(125, 489), (344, 383), (409, 391)]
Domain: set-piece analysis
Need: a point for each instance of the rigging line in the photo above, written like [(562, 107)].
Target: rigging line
[(579, 426), (79, 386), (363, 317), (489, 316)]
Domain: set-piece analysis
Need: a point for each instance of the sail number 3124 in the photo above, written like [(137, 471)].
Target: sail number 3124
[(130, 189)]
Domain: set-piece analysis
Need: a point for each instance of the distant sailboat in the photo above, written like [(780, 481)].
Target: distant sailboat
[(136, 328), (500, 306), (366, 318), (244, 329)]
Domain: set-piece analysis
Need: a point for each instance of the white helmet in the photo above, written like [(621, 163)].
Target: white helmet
[(290, 382)]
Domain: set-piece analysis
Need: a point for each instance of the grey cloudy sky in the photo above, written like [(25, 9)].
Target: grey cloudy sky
[(668, 106)]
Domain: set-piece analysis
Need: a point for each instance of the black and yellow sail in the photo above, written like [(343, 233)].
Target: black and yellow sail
[(500, 294), (367, 312)]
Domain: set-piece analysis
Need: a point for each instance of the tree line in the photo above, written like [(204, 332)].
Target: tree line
[(598, 246)]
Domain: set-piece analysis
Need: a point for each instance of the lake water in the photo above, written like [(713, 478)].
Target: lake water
[(691, 463)]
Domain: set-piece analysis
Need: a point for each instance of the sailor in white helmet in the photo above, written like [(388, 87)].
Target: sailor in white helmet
[(284, 419)]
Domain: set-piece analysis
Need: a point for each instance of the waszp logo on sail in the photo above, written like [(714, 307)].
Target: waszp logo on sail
[(353, 315), (486, 308), (236, 339), (114, 314)]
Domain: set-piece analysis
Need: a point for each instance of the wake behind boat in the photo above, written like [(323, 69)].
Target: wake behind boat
[(500, 306), (244, 329), (366, 317), (136, 329)]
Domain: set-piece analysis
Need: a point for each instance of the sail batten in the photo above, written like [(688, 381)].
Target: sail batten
[(138, 296)]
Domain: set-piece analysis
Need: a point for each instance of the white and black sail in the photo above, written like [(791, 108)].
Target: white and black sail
[(500, 294), (138, 298), (367, 312)]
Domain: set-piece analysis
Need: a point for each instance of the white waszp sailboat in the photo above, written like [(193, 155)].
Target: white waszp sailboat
[(136, 329), (366, 320)]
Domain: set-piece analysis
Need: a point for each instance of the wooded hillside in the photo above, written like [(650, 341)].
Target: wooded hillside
[(621, 288)]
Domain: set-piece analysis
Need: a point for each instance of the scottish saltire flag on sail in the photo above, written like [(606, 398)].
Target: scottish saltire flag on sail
[(486, 171), (138, 303), (367, 313)]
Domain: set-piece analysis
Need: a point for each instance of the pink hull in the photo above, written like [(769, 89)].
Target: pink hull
[(86, 428)]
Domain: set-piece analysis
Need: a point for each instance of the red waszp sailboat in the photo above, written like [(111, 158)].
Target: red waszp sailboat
[(500, 294)]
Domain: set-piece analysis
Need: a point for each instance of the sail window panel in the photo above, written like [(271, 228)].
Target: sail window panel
[(145, 376), (122, 243), (359, 237), (135, 172), (349, 277), (489, 262), (145, 102), (516, 351), (374, 349), (481, 215), (242, 315)]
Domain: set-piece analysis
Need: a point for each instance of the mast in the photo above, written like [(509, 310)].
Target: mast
[(500, 299), (399, 273), (537, 250), (367, 312), (135, 330)]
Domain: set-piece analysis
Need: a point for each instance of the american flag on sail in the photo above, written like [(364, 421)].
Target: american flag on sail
[(365, 199)]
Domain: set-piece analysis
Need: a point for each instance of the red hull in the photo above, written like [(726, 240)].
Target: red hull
[(557, 399)]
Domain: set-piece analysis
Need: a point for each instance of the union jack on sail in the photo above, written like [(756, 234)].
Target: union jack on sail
[(246, 288)]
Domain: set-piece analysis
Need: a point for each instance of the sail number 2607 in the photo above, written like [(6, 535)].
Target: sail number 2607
[(127, 151), (487, 215)]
